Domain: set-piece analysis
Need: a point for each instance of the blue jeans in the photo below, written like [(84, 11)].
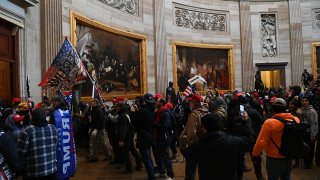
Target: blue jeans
[(278, 168), (147, 161), (163, 160)]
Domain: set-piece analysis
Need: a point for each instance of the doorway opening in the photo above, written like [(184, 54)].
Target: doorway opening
[(271, 79), (273, 74)]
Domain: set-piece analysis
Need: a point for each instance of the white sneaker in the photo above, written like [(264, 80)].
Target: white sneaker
[(158, 175), (169, 178)]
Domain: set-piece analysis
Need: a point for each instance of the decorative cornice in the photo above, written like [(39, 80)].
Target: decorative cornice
[(200, 18), (11, 17), (271, 64), (128, 6), (25, 3)]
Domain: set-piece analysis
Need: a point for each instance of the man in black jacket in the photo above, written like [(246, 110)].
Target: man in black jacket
[(218, 154), (97, 132), (144, 123)]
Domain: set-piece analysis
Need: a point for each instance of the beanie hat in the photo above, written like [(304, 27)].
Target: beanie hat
[(212, 122), (39, 115)]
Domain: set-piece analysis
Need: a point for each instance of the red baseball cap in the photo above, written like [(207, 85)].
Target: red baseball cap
[(18, 118), (255, 94), (196, 97), (157, 96), (273, 99), (38, 105), (16, 100), (120, 99)]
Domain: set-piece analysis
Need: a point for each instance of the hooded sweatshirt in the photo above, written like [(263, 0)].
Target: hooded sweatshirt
[(14, 130), (310, 116)]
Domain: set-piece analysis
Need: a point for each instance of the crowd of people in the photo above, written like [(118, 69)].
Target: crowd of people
[(212, 132)]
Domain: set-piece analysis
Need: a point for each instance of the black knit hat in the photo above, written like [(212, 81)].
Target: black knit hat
[(39, 115), (212, 122)]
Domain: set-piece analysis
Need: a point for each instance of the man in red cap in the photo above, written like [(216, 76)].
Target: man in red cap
[(15, 103), (192, 130)]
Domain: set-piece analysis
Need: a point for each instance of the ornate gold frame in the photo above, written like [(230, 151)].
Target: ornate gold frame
[(80, 19), (314, 59), (230, 49)]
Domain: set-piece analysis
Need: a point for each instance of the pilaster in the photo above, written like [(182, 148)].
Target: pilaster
[(160, 46), (246, 46)]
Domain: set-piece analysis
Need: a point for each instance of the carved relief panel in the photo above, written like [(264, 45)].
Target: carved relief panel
[(316, 18), (269, 35), (128, 6), (198, 18)]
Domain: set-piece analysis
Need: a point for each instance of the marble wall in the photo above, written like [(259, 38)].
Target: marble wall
[(310, 33), (280, 9), (101, 12), (158, 21)]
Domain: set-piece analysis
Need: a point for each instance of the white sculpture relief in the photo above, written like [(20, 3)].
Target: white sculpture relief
[(316, 20), (129, 6), (268, 35), (200, 20)]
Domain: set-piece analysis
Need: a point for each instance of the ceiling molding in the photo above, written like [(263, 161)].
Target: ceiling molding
[(25, 3)]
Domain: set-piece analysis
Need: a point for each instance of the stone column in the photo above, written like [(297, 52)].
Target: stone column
[(51, 31), (160, 46), (296, 41), (246, 46)]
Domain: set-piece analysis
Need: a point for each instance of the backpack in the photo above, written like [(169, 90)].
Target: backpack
[(293, 144)]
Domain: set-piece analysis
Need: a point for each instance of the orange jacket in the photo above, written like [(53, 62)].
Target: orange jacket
[(272, 128)]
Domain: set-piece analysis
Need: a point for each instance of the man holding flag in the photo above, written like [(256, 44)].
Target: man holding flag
[(65, 72)]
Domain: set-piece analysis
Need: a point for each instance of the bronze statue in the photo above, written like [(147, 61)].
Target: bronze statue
[(258, 85)]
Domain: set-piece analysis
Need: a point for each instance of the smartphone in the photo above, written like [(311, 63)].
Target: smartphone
[(241, 110)]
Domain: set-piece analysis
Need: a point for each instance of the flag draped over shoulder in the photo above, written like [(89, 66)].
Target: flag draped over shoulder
[(66, 69)]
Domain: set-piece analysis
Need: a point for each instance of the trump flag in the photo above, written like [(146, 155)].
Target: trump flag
[(66, 69)]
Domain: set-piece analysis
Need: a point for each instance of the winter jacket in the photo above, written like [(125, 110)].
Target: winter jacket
[(193, 127), (256, 120), (14, 130), (9, 151), (98, 118), (164, 127), (271, 129), (310, 116), (125, 128), (144, 122), (219, 155)]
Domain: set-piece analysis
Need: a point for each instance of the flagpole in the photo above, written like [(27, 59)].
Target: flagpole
[(92, 81)]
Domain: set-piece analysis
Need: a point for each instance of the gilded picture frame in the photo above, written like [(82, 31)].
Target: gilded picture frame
[(315, 59), (121, 67), (225, 54)]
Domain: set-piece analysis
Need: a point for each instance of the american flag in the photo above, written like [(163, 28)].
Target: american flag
[(66, 69), (188, 91)]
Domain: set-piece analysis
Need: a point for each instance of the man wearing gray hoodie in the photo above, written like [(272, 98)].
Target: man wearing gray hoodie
[(310, 116)]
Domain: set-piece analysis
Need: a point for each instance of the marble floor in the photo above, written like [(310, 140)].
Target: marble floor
[(103, 170)]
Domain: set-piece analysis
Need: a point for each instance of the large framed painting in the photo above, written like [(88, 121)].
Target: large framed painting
[(214, 63), (114, 58), (316, 59)]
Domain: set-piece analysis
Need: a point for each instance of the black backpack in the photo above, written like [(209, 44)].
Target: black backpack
[(293, 144)]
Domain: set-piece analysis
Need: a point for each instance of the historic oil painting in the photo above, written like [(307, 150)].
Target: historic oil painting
[(212, 62), (115, 59)]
